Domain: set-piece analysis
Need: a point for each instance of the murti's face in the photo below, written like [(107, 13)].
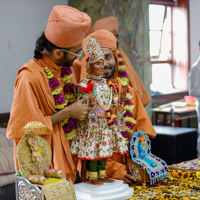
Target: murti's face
[(109, 63), (97, 68)]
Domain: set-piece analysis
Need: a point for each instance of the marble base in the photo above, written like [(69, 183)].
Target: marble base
[(108, 191)]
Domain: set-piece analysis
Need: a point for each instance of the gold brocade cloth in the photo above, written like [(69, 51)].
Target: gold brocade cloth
[(58, 189), (182, 185)]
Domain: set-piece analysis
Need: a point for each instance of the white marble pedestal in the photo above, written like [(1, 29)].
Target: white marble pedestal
[(109, 191)]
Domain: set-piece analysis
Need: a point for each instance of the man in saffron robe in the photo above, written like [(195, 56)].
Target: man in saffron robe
[(116, 167), (126, 70), (39, 89)]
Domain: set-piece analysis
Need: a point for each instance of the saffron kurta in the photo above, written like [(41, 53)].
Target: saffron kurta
[(33, 101)]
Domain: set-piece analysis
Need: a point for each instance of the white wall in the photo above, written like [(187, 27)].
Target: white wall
[(21, 23), (194, 17)]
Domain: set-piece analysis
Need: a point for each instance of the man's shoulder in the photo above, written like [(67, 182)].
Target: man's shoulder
[(29, 71), (31, 65)]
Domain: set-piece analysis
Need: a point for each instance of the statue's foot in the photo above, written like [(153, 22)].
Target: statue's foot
[(95, 182), (106, 180)]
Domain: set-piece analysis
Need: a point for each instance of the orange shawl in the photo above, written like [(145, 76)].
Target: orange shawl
[(33, 101)]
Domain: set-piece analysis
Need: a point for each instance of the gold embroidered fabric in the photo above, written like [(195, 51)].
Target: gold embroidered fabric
[(34, 157), (24, 156), (92, 175), (102, 174), (63, 190), (182, 185)]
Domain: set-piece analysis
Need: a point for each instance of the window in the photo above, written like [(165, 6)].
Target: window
[(168, 46), (160, 33)]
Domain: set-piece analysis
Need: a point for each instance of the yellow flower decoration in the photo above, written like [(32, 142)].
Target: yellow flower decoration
[(71, 134), (61, 106), (69, 96), (122, 67), (129, 107), (120, 59), (129, 119), (65, 121), (129, 96), (57, 91), (66, 79)]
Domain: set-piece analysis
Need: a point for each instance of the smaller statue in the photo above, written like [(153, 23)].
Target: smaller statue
[(34, 155), (140, 153), (143, 147)]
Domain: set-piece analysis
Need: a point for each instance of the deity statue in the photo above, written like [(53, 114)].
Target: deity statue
[(34, 155), (143, 159), (99, 137), (143, 147)]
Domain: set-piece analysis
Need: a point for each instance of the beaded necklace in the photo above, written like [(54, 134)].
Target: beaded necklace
[(97, 79), (69, 125), (92, 116), (102, 103)]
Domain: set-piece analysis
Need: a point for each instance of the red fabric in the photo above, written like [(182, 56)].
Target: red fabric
[(89, 88)]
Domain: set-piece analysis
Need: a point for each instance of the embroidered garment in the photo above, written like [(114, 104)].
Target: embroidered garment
[(95, 139), (141, 154)]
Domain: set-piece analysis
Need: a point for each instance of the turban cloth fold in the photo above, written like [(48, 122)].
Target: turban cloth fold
[(105, 38), (67, 26), (108, 23)]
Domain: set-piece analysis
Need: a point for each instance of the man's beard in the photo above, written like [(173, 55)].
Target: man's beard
[(69, 63), (109, 75), (66, 62)]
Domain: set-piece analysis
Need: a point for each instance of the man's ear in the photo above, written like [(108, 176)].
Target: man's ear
[(58, 53)]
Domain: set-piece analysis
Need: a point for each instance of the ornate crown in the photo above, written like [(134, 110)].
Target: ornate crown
[(94, 50)]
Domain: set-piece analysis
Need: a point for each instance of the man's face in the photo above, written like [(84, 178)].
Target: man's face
[(110, 64), (68, 57)]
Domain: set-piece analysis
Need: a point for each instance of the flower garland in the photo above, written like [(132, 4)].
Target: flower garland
[(128, 105), (69, 125), (122, 70)]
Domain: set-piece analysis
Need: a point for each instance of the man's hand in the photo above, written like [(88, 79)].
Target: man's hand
[(128, 179), (78, 110)]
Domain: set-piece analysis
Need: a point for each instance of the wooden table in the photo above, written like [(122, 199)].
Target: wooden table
[(172, 116)]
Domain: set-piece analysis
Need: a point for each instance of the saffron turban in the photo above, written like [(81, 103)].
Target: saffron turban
[(105, 38), (67, 26), (108, 23)]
